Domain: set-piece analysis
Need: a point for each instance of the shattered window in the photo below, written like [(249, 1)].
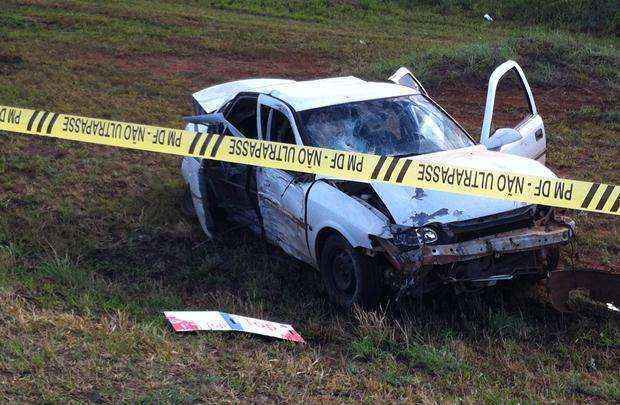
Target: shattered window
[(409, 125), (264, 119), (243, 116), (281, 130)]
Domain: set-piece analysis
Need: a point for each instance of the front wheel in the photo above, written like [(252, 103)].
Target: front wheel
[(350, 277)]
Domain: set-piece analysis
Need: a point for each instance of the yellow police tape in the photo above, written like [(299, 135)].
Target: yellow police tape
[(416, 172)]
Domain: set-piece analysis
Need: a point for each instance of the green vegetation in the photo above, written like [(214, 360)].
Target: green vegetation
[(594, 16), (93, 246), (590, 16), (609, 119), (550, 60)]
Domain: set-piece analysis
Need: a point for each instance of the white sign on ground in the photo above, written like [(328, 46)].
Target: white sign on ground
[(192, 321)]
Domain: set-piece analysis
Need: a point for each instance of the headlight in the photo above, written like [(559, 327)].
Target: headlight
[(427, 235), (407, 237)]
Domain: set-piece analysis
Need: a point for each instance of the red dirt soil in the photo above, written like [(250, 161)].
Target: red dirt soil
[(229, 68)]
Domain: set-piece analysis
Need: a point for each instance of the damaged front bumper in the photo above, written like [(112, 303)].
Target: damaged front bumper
[(536, 238), (503, 243)]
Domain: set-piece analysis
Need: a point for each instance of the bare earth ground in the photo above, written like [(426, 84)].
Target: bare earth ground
[(93, 246)]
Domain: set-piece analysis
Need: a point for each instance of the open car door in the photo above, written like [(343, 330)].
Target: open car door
[(404, 77), (529, 140)]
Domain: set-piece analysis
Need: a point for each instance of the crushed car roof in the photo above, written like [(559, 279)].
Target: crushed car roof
[(214, 97), (303, 95), (338, 90)]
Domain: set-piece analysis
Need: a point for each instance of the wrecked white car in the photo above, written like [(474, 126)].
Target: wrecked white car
[(362, 235)]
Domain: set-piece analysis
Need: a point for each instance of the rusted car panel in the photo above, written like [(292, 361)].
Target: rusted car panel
[(281, 211), (503, 243)]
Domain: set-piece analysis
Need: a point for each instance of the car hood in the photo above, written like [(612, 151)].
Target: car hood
[(416, 206)]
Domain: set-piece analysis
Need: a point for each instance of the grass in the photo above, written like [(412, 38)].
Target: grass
[(591, 114), (582, 15), (550, 60), (93, 246)]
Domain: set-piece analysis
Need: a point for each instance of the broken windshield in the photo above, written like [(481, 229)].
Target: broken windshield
[(409, 125)]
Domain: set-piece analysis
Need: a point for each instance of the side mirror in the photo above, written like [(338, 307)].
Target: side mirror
[(501, 137), (206, 119)]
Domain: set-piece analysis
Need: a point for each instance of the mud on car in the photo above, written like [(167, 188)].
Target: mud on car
[(362, 236)]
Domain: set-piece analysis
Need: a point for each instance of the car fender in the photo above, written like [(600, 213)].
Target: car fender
[(190, 168), (329, 207)]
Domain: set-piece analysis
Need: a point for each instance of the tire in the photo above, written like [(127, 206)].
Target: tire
[(351, 278)]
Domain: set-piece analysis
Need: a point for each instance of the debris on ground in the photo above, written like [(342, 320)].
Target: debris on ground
[(193, 321)]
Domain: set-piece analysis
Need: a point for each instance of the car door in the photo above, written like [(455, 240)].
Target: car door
[(234, 184), (280, 192), (533, 142), (404, 77)]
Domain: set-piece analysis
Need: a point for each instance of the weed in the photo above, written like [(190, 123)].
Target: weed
[(508, 325), (364, 349), (434, 360)]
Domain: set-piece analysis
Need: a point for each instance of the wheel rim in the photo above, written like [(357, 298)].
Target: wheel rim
[(343, 271)]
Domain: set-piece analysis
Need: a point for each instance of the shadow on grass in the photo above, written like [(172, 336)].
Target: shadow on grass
[(164, 262), (158, 260)]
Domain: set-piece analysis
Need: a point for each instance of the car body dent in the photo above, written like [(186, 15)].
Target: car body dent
[(331, 208), (415, 206), (281, 204), (294, 211), (506, 242), (212, 98), (327, 207), (539, 238), (302, 95)]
